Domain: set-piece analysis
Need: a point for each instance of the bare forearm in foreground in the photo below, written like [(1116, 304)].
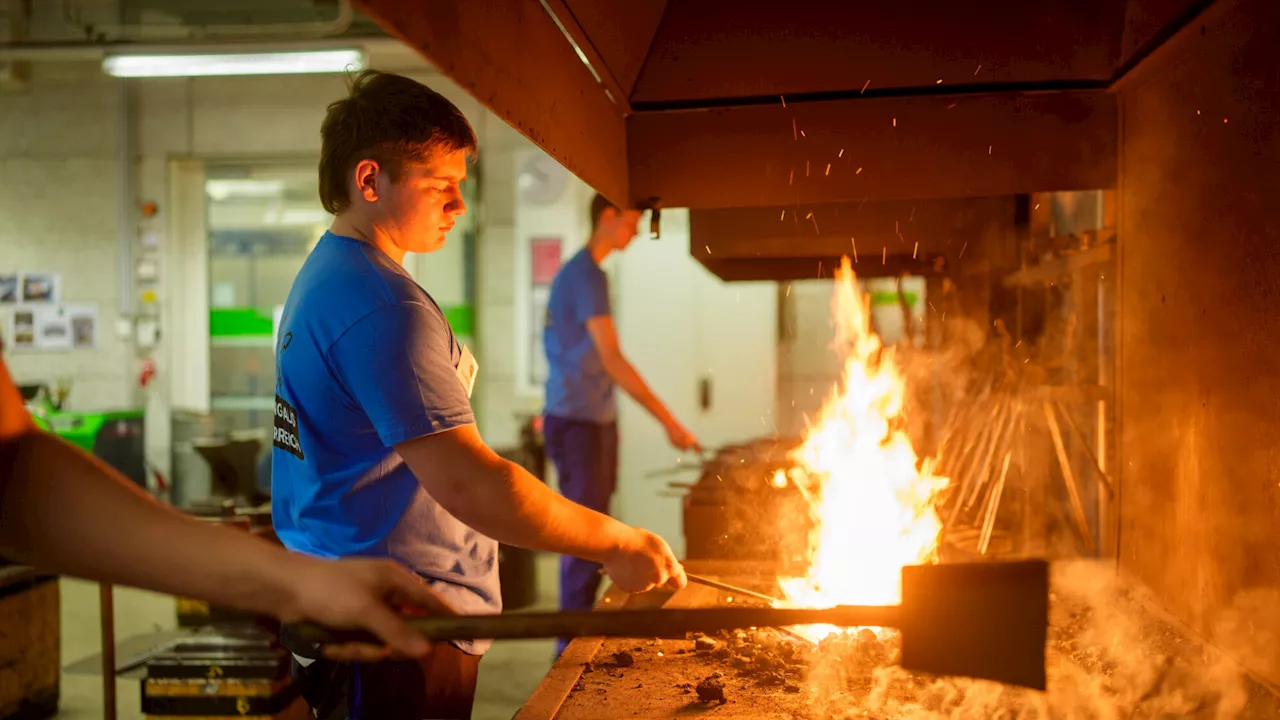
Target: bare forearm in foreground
[(67, 512)]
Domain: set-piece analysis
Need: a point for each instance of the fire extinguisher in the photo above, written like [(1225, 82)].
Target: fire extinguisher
[(148, 373)]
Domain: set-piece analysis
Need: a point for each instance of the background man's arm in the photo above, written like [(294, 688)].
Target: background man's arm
[(605, 337)]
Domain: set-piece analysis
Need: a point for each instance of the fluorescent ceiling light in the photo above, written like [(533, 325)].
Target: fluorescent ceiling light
[(264, 63), (221, 189)]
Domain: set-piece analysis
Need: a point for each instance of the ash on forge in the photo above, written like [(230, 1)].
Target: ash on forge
[(1107, 658)]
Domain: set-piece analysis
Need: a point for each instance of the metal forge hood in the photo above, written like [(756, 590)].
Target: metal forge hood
[(802, 106)]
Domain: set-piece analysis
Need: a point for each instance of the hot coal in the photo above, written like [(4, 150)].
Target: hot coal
[(711, 689)]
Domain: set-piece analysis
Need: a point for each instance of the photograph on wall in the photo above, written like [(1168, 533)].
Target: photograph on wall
[(23, 334), (40, 287), (9, 288), (53, 329), (84, 325)]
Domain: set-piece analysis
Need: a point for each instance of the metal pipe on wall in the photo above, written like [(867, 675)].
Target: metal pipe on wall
[(133, 32), (126, 228)]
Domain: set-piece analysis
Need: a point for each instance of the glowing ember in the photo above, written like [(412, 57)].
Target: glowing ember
[(874, 510)]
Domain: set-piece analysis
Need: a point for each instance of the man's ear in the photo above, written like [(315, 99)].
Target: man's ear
[(368, 176)]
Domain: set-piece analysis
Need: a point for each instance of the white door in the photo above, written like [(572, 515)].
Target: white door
[(680, 326)]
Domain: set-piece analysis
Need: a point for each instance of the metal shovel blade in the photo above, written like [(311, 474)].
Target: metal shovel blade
[(982, 620)]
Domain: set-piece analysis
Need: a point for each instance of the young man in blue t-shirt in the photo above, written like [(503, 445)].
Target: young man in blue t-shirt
[(376, 449), (585, 363)]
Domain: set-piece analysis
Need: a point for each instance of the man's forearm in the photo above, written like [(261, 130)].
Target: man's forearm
[(503, 501), (63, 510), (628, 378)]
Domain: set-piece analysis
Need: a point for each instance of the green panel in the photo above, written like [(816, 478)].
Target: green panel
[(891, 298), (461, 319), (80, 429), (238, 321)]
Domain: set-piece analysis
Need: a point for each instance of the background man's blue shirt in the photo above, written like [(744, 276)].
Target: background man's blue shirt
[(578, 387), (366, 360)]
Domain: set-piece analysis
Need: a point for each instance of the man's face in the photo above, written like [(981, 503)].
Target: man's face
[(620, 226), (419, 207)]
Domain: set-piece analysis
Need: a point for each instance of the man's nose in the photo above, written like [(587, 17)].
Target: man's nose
[(457, 206)]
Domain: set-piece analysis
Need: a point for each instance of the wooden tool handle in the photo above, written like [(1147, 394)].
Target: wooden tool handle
[(621, 623)]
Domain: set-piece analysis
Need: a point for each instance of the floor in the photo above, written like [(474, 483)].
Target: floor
[(508, 674)]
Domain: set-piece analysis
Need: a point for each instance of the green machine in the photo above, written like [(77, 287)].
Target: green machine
[(115, 436)]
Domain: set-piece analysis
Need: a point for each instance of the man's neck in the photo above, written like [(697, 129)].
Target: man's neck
[(598, 248), (365, 231)]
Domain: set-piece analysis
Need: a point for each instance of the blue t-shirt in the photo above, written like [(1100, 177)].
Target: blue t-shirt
[(578, 387), (365, 360)]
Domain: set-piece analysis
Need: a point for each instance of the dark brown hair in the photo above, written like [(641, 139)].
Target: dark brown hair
[(599, 204), (390, 119)]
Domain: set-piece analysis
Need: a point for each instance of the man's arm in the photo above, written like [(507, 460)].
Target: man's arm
[(628, 378), (65, 511), (505, 502)]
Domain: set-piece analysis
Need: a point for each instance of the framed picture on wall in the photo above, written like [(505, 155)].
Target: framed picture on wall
[(23, 329), (41, 287), (9, 288)]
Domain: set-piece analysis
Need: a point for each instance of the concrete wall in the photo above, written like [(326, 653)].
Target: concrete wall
[(1199, 355), (59, 164)]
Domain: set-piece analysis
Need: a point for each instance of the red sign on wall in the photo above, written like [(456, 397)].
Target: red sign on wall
[(544, 253)]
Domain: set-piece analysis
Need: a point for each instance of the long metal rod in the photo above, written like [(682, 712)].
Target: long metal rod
[(107, 609), (962, 487), (619, 623), (1001, 437), (989, 523), (699, 579), (1006, 439), (1073, 492), (1084, 443)]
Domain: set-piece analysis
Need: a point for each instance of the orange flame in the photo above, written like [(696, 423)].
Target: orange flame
[(874, 510)]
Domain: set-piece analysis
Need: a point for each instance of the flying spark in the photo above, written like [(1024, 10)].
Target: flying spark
[(1037, 207), (828, 169), (864, 87), (931, 307), (793, 129), (841, 153), (788, 289), (989, 149), (792, 180), (914, 249), (806, 168), (854, 241), (962, 249), (801, 133), (939, 81), (708, 247), (784, 100), (884, 254), (784, 215), (951, 106), (1224, 121), (975, 72), (895, 122), (806, 217), (859, 171)]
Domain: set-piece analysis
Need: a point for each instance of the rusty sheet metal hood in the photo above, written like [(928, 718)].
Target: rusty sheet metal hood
[(714, 104)]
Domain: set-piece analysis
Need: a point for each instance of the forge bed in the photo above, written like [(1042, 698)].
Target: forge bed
[(1108, 656)]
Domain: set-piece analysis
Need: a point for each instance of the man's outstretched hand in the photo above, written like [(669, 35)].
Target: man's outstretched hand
[(365, 595), (681, 438)]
